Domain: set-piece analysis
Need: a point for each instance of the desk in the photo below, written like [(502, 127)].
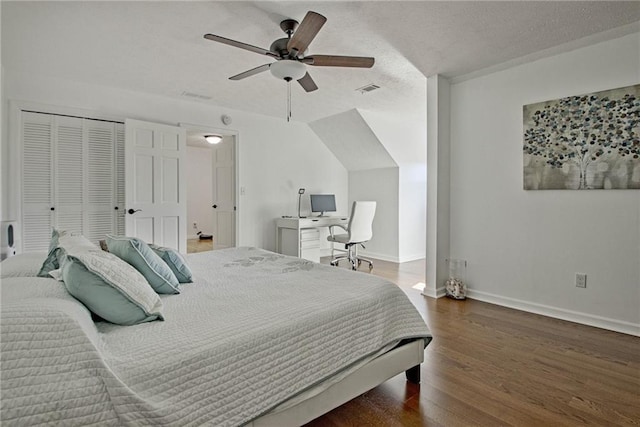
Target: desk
[(300, 237)]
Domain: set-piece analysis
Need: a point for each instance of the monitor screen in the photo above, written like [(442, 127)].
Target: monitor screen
[(323, 203)]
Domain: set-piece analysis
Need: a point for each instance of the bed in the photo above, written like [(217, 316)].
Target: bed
[(258, 339)]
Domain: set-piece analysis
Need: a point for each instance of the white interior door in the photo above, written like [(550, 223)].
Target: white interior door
[(155, 181), (224, 192)]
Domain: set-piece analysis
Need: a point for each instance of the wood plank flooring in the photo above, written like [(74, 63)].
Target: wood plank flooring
[(197, 245), (494, 366)]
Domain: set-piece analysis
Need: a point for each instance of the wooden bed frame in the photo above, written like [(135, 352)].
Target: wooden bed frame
[(405, 357)]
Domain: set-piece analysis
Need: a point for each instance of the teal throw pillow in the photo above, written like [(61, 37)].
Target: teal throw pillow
[(139, 254), (176, 263), (110, 288)]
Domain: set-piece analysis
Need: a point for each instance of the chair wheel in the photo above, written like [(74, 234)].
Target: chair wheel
[(359, 263), (370, 267)]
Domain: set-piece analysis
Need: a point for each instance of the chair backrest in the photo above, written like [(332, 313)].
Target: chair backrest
[(361, 221)]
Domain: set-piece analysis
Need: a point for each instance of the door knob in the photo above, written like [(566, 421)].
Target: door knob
[(132, 211), (214, 206)]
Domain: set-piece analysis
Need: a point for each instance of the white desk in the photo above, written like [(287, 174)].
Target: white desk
[(300, 237)]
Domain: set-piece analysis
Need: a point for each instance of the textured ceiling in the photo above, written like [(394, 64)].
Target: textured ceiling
[(158, 47)]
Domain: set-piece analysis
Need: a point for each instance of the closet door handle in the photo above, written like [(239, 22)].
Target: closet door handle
[(132, 211), (214, 206)]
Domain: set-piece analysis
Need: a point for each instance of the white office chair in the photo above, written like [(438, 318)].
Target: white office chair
[(358, 231)]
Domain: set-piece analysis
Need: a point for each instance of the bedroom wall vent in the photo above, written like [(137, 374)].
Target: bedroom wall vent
[(368, 88), (195, 95)]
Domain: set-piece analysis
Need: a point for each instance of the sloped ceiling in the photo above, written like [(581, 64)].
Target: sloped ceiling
[(158, 46), (352, 141)]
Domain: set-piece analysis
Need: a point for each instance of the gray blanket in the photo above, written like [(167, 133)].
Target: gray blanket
[(253, 330)]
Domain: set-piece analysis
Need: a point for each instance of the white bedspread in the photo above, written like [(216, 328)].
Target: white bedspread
[(254, 329)]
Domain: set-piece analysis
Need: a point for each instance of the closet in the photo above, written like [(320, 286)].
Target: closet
[(72, 174)]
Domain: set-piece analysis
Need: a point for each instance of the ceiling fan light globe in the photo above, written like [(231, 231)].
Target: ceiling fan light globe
[(288, 69)]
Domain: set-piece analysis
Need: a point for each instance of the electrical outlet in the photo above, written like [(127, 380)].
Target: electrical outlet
[(581, 280), (195, 226)]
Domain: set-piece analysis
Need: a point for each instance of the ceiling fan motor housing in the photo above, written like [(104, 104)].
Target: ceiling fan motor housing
[(280, 47)]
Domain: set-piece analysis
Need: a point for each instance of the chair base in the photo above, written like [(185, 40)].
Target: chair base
[(352, 257)]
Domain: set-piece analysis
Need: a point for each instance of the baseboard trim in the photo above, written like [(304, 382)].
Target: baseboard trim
[(327, 252), (364, 254), (438, 293), (414, 257), (555, 312), (382, 257)]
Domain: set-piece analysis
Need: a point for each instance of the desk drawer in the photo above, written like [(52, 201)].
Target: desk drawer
[(309, 244), (309, 234)]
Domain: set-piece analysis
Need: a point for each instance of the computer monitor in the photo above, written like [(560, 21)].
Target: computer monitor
[(323, 203)]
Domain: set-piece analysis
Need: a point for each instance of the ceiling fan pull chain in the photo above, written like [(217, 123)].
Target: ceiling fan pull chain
[(289, 100)]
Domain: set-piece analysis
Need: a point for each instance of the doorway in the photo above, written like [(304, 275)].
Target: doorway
[(211, 189)]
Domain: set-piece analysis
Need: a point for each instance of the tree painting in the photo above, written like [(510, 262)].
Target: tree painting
[(583, 142)]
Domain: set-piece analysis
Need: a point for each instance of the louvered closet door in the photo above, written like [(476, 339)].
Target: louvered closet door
[(72, 178), (120, 200), (100, 202), (68, 173), (37, 181)]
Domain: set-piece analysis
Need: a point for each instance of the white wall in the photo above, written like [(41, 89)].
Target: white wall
[(438, 183), (412, 202), (380, 185), (3, 128), (524, 247), (276, 157), (3, 148), (405, 138), (199, 190)]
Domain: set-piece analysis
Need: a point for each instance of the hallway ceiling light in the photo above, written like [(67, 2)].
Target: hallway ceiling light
[(213, 139)]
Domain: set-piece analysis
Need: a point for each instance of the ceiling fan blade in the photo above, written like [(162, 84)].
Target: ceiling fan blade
[(307, 83), (306, 32), (241, 45), (250, 72), (339, 61)]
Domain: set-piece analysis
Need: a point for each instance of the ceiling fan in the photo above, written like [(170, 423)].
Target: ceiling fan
[(290, 53)]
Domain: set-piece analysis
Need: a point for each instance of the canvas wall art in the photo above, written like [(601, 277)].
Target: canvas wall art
[(583, 142)]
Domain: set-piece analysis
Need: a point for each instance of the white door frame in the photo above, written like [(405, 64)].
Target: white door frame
[(235, 134)]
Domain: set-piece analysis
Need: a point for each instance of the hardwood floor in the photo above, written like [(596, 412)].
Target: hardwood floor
[(197, 245), (493, 366)]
